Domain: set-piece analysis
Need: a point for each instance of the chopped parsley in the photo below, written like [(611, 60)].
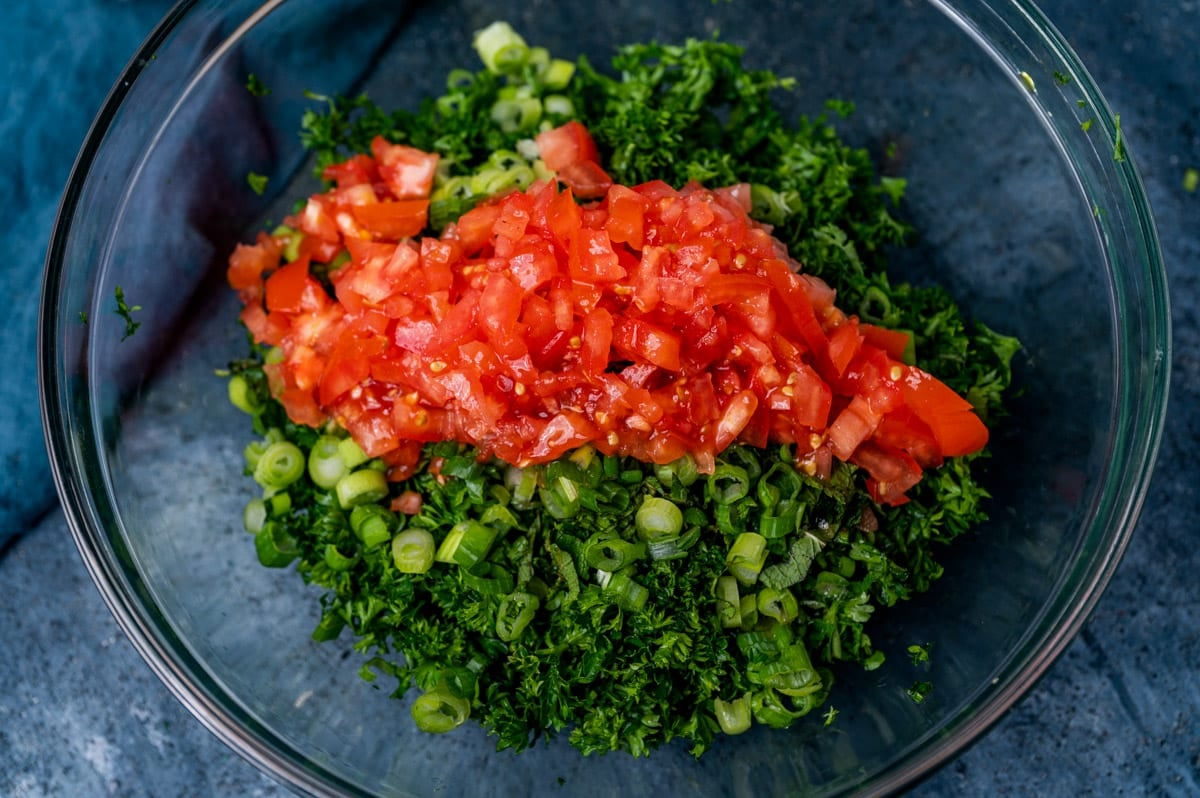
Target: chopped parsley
[(1191, 180), (255, 86), (920, 691), (257, 182), (918, 654), (1119, 142), (126, 311)]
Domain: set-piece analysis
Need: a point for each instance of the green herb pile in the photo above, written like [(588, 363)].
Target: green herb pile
[(622, 603)]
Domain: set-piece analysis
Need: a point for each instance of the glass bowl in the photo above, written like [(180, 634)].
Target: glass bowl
[(1025, 216)]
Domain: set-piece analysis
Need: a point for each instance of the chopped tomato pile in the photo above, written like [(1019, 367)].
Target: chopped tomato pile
[(647, 321)]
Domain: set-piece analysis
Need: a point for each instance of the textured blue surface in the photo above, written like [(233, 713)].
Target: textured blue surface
[(82, 715)]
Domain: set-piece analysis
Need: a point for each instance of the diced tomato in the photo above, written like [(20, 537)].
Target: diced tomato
[(250, 262), (358, 170), (408, 172), (653, 323), (394, 219), (643, 340), (951, 418), (894, 342), (287, 288), (852, 426), (565, 145), (586, 179)]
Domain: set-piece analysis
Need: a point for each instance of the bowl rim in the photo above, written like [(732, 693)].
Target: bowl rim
[(923, 758)]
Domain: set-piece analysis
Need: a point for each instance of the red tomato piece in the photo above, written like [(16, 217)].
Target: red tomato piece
[(735, 417), (639, 339), (249, 262), (499, 312), (596, 341), (407, 171), (894, 342), (586, 179), (565, 145), (852, 426), (394, 219), (951, 418)]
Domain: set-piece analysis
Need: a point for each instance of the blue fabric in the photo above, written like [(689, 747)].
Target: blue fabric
[(80, 714), (57, 61)]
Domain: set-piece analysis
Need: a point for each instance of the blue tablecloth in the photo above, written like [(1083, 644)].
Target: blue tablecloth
[(81, 715)]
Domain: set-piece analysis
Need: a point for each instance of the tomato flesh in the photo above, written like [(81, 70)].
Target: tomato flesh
[(648, 321)]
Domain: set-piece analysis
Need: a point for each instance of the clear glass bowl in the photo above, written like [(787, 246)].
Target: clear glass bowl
[(1027, 218)]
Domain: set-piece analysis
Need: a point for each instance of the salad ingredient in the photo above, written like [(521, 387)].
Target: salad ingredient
[(622, 601)]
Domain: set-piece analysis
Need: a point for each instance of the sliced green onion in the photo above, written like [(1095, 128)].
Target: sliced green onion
[(254, 516), (658, 518), (558, 74), (683, 471), (748, 609), (351, 453), (488, 578), (325, 464), (253, 453), (337, 560), (291, 249), (413, 551), (733, 716), (278, 504), (499, 516), (558, 105), (524, 485), (515, 614), (673, 548), (439, 711), (501, 48), (728, 602), (240, 395), (778, 604), (467, 543), (372, 524), (781, 525), (517, 114), (279, 466), (361, 487), (746, 557), (626, 593), (539, 59), (329, 627), (728, 483), (275, 546), (610, 553)]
